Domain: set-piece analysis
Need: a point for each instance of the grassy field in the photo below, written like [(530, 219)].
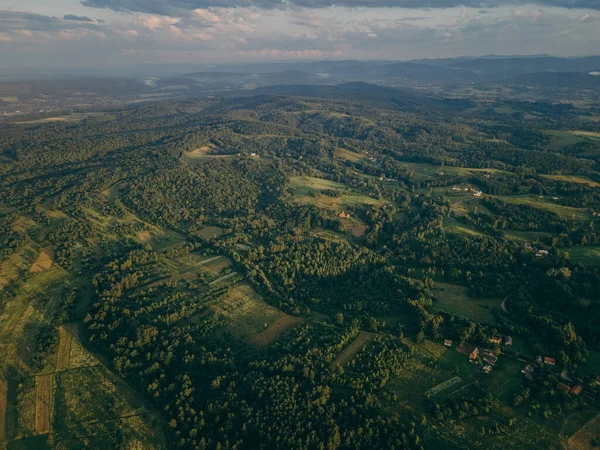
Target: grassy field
[(205, 152), (307, 191), (562, 139), (580, 179), (347, 155), (455, 227), (210, 232), (585, 255), (93, 402), (453, 299), (506, 378), (348, 353), (588, 134), (525, 236), (75, 117), (566, 212)]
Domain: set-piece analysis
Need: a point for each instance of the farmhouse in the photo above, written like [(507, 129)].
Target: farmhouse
[(474, 354), (576, 390), (563, 387), (508, 340), (495, 339), (487, 369), (549, 361), (448, 343)]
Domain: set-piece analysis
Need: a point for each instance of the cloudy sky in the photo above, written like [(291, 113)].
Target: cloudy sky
[(111, 33)]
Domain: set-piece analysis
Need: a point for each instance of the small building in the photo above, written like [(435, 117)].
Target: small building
[(576, 390), (343, 215), (527, 370), (495, 339), (563, 387), (598, 380), (474, 354), (487, 369), (539, 360), (447, 342), (549, 361), (491, 359), (508, 340)]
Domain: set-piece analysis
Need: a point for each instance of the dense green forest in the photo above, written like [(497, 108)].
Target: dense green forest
[(282, 272)]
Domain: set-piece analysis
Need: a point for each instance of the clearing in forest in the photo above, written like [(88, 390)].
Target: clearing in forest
[(3, 406), (251, 318), (454, 299), (352, 350), (210, 232), (44, 261), (585, 438), (328, 194), (44, 401)]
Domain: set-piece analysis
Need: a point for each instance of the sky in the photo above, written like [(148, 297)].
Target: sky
[(65, 34)]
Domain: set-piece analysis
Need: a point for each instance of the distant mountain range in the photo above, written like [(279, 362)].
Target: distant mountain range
[(524, 75)]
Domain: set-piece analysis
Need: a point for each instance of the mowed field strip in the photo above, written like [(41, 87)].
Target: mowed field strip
[(64, 349), (44, 400), (3, 406), (44, 261), (346, 355), (276, 329)]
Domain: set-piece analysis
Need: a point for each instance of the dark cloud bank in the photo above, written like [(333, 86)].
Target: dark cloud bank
[(172, 6)]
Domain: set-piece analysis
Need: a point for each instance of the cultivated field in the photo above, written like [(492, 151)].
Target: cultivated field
[(588, 437), (348, 353), (44, 402)]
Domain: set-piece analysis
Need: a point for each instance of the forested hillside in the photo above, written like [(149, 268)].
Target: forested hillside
[(282, 271)]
